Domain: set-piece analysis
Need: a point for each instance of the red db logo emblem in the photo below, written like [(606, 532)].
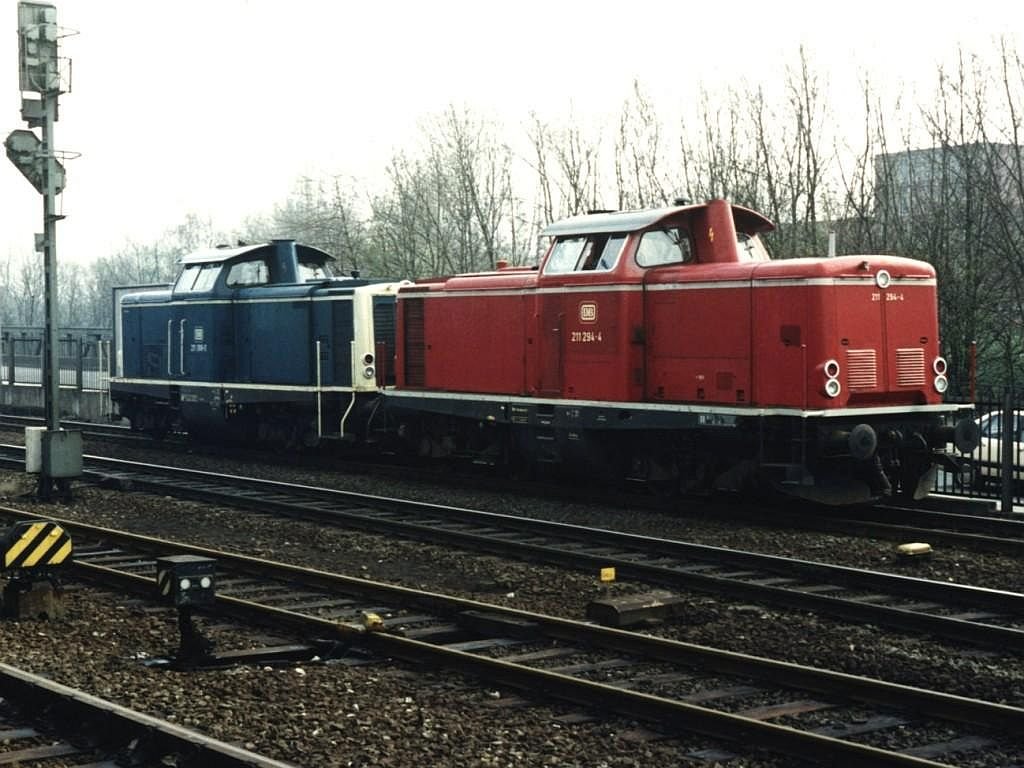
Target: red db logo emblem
[(588, 312)]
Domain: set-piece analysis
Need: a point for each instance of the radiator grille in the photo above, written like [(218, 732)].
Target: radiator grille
[(861, 369), (910, 367), (343, 331), (384, 337), (415, 354)]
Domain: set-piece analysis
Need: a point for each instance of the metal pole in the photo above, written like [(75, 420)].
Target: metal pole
[(972, 370), (51, 365), (1009, 426), (51, 354)]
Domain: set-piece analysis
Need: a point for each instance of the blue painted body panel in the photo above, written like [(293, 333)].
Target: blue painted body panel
[(273, 335)]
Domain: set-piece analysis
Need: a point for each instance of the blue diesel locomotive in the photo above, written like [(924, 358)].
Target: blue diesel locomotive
[(256, 342)]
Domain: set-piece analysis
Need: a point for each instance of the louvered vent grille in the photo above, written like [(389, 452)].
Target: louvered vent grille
[(415, 355), (861, 369), (910, 368)]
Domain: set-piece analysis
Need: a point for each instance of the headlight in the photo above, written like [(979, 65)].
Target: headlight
[(882, 279), (368, 359), (833, 388), (832, 369), (941, 384), (205, 582), (369, 372), (185, 584), (939, 366)]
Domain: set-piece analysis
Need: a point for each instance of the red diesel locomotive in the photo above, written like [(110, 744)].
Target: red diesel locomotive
[(665, 346)]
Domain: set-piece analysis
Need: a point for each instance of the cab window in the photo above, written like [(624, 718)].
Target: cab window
[(195, 278), (604, 252), (311, 271), (664, 246), (253, 272), (751, 248), (564, 255), (585, 253)]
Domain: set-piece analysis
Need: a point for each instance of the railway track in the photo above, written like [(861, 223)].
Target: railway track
[(42, 721), (971, 523), (14, 421), (980, 530), (751, 702), (956, 612), (960, 516)]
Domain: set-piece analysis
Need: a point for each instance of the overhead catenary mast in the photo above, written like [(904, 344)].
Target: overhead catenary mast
[(55, 454)]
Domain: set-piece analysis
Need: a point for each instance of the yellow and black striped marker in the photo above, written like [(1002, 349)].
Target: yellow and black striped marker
[(39, 544)]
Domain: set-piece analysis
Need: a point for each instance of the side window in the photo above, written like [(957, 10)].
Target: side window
[(244, 273), (664, 246), (751, 248), (310, 271)]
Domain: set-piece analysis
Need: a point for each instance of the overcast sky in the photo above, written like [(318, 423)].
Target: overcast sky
[(217, 106)]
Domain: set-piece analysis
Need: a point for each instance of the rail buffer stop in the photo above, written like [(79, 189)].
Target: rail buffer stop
[(188, 582), (32, 554)]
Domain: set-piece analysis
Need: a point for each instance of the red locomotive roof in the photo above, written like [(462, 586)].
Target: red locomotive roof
[(746, 220)]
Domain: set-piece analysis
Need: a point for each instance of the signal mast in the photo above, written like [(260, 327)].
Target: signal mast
[(54, 453)]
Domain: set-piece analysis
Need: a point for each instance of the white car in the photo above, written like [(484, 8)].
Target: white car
[(987, 458)]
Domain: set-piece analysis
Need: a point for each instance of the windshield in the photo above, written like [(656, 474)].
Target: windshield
[(585, 253), (197, 277)]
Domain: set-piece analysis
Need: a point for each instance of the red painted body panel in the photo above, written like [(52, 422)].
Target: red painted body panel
[(589, 347), (810, 311), (698, 343), (476, 329)]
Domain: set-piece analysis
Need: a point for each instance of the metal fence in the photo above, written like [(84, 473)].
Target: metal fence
[(999, 455), (84, 359)]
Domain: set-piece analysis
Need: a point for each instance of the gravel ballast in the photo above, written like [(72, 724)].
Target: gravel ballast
[(383, 714)]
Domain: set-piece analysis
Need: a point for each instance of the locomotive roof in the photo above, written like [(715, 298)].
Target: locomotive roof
[(221, 254), (632, 221)]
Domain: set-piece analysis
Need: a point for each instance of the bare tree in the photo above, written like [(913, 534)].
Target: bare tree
[(451, 209), (27, 292), (322, 213), (640, 179)]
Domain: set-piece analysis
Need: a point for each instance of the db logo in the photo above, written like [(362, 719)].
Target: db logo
[(588, 312)]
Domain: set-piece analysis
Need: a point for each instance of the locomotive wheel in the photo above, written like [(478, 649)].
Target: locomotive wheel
[(659, 473)]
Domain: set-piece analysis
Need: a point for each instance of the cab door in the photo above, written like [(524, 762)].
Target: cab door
[(589, 315), (198, 317), (551, 339), (196, 352)]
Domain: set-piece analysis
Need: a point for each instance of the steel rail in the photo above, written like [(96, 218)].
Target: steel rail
[(673, 714), (115, 726), (1006, 526), (631, 554)]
